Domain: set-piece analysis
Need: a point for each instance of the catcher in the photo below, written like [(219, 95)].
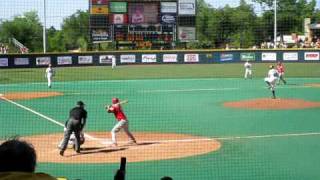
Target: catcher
[(122, 123), (71, 142)]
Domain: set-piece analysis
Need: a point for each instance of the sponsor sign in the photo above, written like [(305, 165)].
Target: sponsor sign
[(311, 56), (85, 60), (119, 19), (170, 58), (21, 61), (290, 56), (186, 34), (64, 60), (187, 7), (3, 62), (247, 56), (149, 58), (226, 57), (99, 10), (100, 35), (41, 61), (191, 58), (99, 2), (168, 18), (106, 59), (168, 7), (118, 7), (143, 13), (269, 56), (128, 58)]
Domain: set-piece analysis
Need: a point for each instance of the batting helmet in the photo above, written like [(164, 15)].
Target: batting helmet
[(115, 100)]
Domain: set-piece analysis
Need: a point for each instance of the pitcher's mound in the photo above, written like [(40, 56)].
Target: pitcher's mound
[(268, 103), (150, 146)]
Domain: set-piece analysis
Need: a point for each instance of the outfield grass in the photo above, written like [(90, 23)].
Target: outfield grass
[(164, 71)]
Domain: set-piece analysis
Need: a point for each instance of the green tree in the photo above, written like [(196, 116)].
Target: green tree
[(27, 29)]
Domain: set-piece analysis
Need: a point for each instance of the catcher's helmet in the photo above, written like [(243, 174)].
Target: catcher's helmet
[(115, 100), (80, 103)]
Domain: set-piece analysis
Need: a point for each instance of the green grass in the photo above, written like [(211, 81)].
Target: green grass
[(176, 71)]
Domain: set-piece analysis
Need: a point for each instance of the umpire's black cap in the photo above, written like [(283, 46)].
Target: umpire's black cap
[(80, 103)]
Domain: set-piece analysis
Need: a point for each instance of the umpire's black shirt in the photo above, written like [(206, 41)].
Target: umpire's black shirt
[(78, 113)]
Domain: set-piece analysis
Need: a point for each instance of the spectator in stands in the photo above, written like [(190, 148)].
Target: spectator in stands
[(18, 161)]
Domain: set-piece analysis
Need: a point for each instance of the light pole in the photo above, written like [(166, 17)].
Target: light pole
[(44, 27), (275, 25)]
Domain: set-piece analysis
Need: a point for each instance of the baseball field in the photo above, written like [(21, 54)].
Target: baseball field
[(191, 121)]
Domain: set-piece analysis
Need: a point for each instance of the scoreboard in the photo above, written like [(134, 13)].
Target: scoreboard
[(143, 22)]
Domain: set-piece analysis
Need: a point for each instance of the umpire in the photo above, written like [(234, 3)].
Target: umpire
[(76, 122)]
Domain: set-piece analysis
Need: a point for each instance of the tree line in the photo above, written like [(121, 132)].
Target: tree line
[(239, 27)]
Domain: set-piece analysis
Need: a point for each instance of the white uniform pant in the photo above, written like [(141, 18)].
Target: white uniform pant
[(272, 82), (49, 80), (123, 124), (247, 72)]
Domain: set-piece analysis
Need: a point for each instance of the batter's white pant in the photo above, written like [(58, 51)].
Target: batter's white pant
[(247, 72), (123, 124)]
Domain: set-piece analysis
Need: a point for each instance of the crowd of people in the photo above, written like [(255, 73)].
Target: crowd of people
[(4, 49)]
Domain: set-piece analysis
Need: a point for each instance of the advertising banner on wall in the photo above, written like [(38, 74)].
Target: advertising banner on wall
[(128, 58), (191, 58), (311, 56), (99, 2), (106, 59), (42, 61), (100, 35), (187, 7), (247, 56), (290, 56), (3, 62), (85, 60), (170, 58), (186, 34), (118, 7), (149, 58), (21, 61), (119, 19), (168, 18), (269, 56), (64, 60), (226, 57), (99, 10), (143, 13), (168, 7)]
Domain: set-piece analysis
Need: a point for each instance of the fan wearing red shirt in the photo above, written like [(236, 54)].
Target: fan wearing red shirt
[(122, 122), (280, 69)]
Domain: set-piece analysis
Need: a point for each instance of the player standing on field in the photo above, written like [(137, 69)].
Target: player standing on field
[(113, 62), (248, 70), (122, 123), (271, 80), (49, 74), (280, 69)]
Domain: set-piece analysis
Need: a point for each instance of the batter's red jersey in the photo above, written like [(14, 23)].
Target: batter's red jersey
[(280, 68), (118, 113)]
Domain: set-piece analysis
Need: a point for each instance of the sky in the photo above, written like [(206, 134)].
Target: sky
[(57, 10)]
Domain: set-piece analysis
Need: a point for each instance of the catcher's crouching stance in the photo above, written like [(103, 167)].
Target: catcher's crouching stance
[(122, 123)]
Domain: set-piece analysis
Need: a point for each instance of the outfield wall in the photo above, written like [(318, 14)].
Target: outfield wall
[(157, 57)]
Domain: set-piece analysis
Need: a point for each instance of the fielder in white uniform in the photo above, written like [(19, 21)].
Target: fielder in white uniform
[(248, 70), (271, 79), (113, 61), (49, 74)]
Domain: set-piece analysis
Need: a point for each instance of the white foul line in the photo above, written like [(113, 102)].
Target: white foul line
[(41, 115)]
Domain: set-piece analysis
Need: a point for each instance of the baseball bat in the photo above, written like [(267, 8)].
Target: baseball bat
[(119, 103)]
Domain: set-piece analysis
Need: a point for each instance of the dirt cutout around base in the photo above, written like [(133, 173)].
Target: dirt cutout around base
[(317, 85), (272, 104), (29, 95), (150, 146)]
